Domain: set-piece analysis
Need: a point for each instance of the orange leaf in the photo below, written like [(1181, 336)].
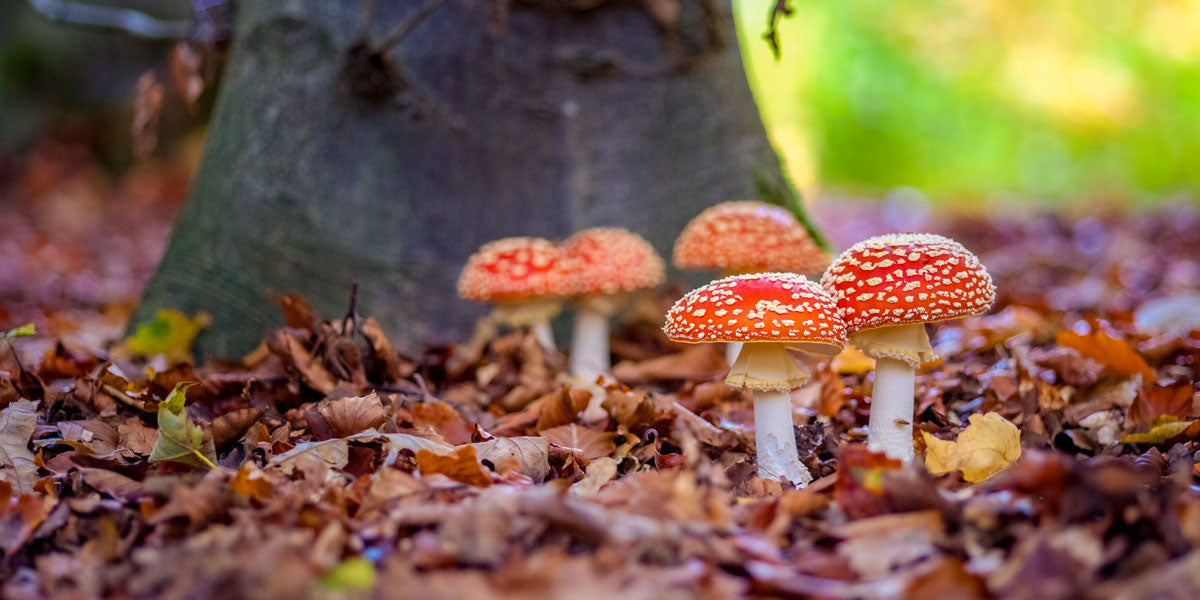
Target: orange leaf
[(462, 466), (442, 418), (592, 443), (1154, 400), (251, 483), (1116, 354)]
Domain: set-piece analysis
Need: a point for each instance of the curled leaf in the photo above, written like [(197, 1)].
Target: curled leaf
[(17, 423), (988, 445), (179, 438)]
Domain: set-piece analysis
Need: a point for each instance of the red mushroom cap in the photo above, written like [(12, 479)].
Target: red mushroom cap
[(747, 237), (515, 269), (611, 260), (904, 278), (762, 307)]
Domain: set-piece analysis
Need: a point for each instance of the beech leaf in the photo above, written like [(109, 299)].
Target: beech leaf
[(988, 445), (17, 423), (179, 438), (1115, 354)]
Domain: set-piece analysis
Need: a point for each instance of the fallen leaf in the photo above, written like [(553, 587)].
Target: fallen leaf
[(355, 575), (988, 445), (23, 331), (442, 418), (858, 489), (293, 354), (336, 452), (1154, 401), (599, 472), (1162, 429), (112, 483), (231, 426), (530, 454), (348, 416), (251, 483), (699, 362), (170, 334), (17, 423), (851, 361), (594, 444), (179, 438), (561, 407), (137, 437), (1115, 354), (461, 465)]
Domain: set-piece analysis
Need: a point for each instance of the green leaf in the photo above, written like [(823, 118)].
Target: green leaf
[(355, 574), (22, 331), (179, 438), (170, 334)]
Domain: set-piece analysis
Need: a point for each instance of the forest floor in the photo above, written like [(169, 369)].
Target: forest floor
[(325, 464)]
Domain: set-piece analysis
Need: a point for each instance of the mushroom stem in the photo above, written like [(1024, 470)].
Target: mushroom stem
[(541, 329), (891, 430), (589, 346), (732, 349), (776, 439)]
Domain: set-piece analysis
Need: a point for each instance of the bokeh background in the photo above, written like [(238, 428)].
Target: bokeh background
[(1059, 115)]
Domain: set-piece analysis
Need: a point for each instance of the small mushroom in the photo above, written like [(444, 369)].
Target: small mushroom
[(768, 312), (747, 237), (525, 277), (606, 264), (887, 288)]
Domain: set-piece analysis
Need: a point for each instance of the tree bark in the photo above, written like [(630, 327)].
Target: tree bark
[(541, 122)]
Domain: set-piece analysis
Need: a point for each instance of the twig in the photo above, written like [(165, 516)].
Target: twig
[(122, 396), (110, 17), (412, 21), (780, 10)]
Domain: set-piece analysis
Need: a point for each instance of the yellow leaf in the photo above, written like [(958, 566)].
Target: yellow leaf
[(987, 446), (170, 334), (179, 437), (851, 361), (1164, 428)]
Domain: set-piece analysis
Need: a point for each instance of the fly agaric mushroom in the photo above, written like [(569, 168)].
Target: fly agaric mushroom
[(747, 237), (887, 288), (606, 263), (525, 277), (769, 312)]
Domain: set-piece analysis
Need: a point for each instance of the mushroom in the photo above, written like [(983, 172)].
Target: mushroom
[(525, 277), (887, 288), (747, 237), (769, 312), (605, 264)]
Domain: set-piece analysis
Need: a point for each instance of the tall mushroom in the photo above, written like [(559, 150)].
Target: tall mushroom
[(768, 312), (605, 264), (887, 288), (747, 237), (525, 277)]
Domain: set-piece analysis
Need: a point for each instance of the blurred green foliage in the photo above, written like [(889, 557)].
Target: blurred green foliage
[(1052, 100)]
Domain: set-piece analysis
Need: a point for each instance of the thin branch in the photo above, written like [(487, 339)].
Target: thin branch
[(110, 17), (780, 10), (412, 21)]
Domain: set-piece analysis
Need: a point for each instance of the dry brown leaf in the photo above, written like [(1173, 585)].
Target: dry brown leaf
[(593, 444), (529, 454), (698, 362), (561, 407), (348, 416), (1155, 401), (137, 437), (442, 418), (599, 472), (1115, 354), (461, 465), (251, 482), (231, 426), (295, 356)]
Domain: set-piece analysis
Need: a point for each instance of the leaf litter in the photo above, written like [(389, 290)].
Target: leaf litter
[(1056, 438)]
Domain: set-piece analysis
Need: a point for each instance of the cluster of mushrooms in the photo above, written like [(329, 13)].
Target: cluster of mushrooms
[(879, 294)]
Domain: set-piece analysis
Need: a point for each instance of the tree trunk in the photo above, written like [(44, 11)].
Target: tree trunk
[(507, 119)]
